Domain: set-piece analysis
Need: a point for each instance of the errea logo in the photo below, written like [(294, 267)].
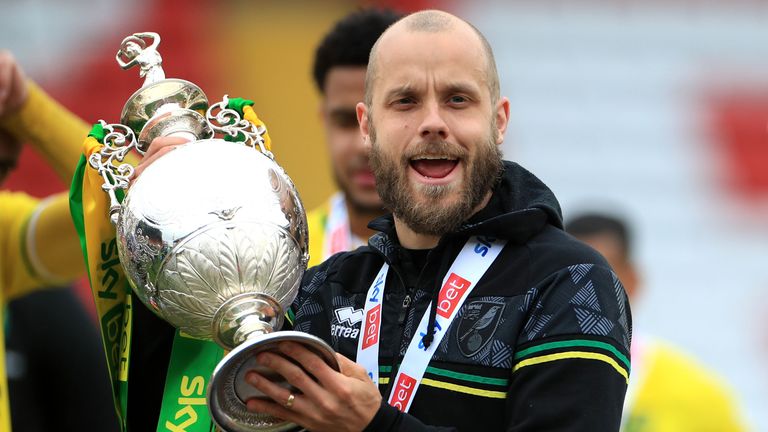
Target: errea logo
[(347, 319)]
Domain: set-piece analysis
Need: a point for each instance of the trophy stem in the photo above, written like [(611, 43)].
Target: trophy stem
[(245, 316), (251, 327)]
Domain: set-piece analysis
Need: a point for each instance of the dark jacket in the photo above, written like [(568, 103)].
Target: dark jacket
[(542, 343)]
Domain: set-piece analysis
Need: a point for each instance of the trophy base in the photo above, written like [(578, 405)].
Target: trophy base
[(228, 391)]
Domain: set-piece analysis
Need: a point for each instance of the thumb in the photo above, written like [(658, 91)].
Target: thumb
[(349, 368)]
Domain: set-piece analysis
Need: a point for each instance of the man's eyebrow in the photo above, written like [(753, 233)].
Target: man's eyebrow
[(401, 90), (461, 87)]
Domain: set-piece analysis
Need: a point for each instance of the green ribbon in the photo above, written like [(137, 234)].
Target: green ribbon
[(237, 104), (184, 406)]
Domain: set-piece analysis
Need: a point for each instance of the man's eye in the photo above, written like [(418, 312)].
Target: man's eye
[(404, 101), (457, 99)]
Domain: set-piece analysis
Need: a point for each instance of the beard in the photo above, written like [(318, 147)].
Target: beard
[(436, 213)]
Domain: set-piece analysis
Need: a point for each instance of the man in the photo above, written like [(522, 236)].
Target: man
[(668, 389), (471, 308), (341, 224), (39, 248), (478, 312)]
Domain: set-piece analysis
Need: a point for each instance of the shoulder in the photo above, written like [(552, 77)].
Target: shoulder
[(347, 269), (552, 249), (573, 291), (676, 387), (674, 364)]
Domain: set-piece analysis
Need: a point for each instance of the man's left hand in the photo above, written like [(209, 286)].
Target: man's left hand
[(338, 401)]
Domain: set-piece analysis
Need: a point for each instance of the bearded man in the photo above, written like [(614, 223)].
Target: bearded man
[(470, 309)]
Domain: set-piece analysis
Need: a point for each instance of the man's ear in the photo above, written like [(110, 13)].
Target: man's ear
[(362, 120), (502, 119)]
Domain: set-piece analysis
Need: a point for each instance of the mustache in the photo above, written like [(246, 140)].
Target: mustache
[(435, 147)]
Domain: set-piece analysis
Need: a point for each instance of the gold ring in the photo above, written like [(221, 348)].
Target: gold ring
[(289, 402)]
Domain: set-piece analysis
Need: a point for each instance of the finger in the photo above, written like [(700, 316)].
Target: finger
[(158, 144), (17, 92), (279, 395), (312, 362), (351, 369), (147, 161), (294, 374), (6, 62)]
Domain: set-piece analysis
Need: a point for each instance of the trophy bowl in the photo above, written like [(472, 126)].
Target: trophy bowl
[(212, 236)]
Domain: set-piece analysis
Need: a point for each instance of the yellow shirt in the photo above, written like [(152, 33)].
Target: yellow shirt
[(676, 394), (316, 221), (38, 243)]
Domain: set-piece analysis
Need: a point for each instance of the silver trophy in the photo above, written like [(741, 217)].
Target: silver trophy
[(212, 236)]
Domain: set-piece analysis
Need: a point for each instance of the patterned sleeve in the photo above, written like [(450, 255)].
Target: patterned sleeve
[(571, 364)]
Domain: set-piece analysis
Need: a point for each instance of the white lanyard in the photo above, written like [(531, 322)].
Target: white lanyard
[(470, 265)]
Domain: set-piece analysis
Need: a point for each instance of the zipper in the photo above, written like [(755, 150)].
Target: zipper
[(396, 358), (404, 309)]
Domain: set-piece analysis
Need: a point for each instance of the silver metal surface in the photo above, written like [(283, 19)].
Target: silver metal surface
[(228, 392), (213, 235), (209, 222)]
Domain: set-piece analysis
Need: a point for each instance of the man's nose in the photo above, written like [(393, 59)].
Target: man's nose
[(433, 123)]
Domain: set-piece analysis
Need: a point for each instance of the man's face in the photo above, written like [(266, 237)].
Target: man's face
[(344, 88), (433, 128), (9, 154)]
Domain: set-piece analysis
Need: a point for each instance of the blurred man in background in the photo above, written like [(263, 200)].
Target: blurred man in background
[(54, 349), (341, 60), (668, 390)]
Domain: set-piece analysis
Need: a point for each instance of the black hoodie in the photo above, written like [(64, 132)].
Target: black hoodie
[(542, 342)]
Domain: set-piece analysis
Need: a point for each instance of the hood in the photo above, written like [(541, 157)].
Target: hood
[(521, 205)]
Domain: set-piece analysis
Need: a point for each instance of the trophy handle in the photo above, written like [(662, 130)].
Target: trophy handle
[(228, 122), (118, 141), (228, 392)]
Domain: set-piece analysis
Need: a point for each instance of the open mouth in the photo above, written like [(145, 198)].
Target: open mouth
[(435, 167)]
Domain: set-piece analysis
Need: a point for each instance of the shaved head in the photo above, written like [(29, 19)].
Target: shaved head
[(432, 21)]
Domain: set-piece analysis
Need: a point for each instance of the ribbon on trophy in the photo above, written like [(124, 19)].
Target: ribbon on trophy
[(90, 213), (192, 360)]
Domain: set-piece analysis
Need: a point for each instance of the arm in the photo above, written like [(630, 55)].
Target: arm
[(39, 244), (571, 364), (52, 130), (30, 115), (330, 400)]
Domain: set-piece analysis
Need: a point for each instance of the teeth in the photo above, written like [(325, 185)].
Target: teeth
[(433, 158)]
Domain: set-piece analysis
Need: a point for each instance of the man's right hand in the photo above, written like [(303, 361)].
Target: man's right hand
[(157, 149), (13, 85)]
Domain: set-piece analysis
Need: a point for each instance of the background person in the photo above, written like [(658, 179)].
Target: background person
[(39, 248), (668, 390), (341, 58)]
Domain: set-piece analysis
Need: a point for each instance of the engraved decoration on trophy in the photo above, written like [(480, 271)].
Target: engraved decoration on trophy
[(213, 235)]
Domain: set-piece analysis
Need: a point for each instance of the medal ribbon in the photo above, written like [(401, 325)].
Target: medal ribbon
[(468, 268)]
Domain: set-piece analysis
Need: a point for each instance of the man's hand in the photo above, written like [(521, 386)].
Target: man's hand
[(157, 149), (337, 401), (13, 86)]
